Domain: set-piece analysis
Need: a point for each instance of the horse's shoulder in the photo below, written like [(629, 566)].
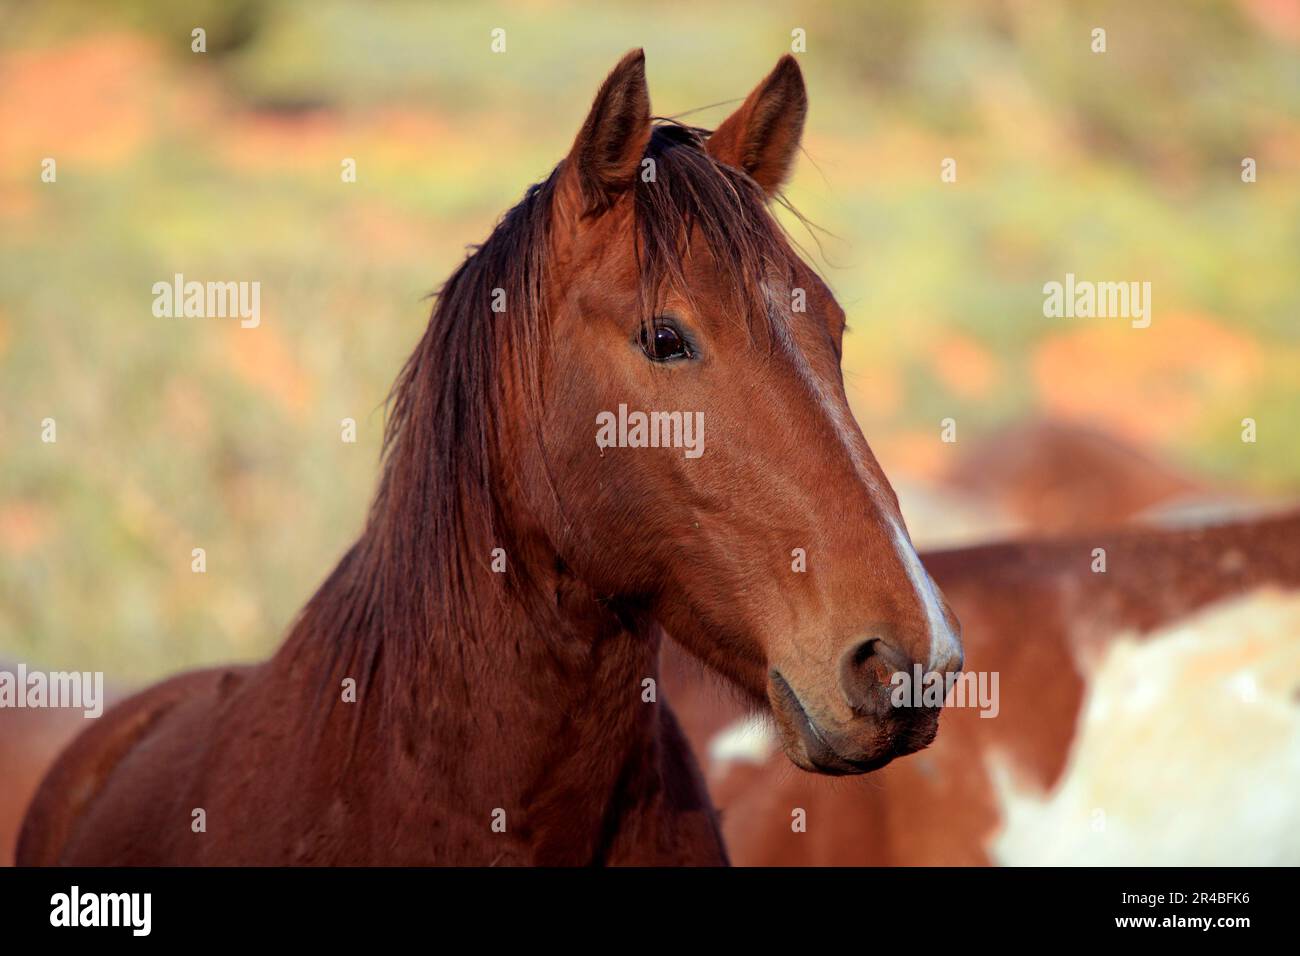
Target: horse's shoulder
[(85, 767)]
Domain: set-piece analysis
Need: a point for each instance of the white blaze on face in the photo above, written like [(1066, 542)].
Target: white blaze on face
[(944, 645), (945, 649)]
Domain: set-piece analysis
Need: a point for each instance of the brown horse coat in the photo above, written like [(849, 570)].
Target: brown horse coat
[(475, 681)]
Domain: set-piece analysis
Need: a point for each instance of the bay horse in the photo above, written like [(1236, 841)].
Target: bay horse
[(1036, 613), (500, 617)]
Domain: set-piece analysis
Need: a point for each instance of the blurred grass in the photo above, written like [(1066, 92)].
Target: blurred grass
[(176, 434)]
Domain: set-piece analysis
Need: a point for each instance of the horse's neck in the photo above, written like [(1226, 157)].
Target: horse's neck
[(535, 721)]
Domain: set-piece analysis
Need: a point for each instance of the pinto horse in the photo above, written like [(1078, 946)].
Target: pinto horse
[(474, 682)]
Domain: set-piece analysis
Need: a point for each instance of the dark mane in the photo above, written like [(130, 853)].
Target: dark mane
[(400, 598)]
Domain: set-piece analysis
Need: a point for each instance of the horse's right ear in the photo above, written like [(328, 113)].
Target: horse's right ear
[(608, 151)]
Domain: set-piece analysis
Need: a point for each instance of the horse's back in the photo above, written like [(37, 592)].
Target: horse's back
[(66, 822)]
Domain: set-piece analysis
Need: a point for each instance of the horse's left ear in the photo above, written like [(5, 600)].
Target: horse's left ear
[(762, 137), (612, 141)]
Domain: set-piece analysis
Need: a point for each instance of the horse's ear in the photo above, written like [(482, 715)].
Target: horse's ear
[(608, 151), (762, 137)]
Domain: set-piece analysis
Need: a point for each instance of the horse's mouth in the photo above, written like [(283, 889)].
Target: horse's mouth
[(810, 747)]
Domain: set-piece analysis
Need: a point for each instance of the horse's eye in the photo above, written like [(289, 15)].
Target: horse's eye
[(663, 343)]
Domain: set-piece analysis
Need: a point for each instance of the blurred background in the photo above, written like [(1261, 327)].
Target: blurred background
[(175, 434)]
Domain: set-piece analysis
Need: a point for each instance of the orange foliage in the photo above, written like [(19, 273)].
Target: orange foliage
[(86, 102), (260, 357), (1144, 384), (964, 366)]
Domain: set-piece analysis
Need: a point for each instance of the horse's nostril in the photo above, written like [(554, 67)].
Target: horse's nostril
[(865, 672), (893, 658), (862, 653)]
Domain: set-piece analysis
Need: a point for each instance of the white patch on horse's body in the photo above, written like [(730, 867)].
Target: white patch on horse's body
[(944, 645), (1187, 751), (750, 739)]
